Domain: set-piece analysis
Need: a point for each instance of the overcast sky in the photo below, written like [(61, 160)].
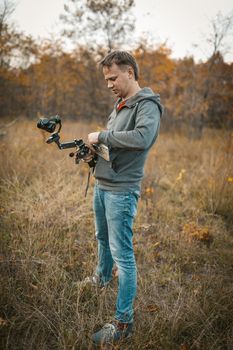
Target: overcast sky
[(182, 23)]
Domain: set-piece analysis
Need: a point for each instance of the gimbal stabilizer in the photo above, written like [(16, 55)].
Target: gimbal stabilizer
[(50, 124)]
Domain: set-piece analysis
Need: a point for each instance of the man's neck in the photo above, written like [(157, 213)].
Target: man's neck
[(132, 92)]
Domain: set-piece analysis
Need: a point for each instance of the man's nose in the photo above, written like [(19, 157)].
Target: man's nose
[(110, 84)]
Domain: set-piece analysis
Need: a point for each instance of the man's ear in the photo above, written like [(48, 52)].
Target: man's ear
[(131, 72)]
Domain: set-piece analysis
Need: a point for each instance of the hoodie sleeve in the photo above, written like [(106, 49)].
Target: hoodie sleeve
[(147, 124)]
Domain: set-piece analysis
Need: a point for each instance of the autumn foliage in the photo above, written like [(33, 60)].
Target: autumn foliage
[(71, 84), (44, 78)]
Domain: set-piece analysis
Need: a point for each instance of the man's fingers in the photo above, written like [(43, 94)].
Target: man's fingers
[(91, 148), (89, 156), (93, 137)]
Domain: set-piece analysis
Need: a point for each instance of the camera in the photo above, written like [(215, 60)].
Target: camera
[(49, 124)]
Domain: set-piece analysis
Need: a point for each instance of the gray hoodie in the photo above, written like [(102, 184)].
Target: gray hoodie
[(130, 133)]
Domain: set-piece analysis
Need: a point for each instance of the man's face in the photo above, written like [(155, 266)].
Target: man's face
[(118, 80)]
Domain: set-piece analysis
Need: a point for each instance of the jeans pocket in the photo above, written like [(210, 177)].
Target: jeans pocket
[(122, 204), (131, 204)]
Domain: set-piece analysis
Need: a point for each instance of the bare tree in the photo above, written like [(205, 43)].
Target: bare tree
[(221, 31), (207, 76), (6, 9), (95, 23)]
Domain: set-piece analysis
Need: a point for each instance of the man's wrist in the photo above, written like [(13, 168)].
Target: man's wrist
[(93, 137), (102, 137)]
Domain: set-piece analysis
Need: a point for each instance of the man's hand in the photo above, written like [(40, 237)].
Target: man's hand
[(93, 137), (88, 157)]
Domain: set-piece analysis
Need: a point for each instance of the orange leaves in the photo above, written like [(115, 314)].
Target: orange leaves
[(195, 232), (156, 67), (149, 190)]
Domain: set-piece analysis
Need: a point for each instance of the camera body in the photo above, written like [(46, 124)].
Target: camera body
[(49, 124)]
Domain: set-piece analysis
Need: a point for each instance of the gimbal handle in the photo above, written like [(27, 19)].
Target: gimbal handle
[(82, 149), (55, 137)]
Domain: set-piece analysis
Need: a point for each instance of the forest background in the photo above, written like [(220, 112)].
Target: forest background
[(183, 230), (46, 78)]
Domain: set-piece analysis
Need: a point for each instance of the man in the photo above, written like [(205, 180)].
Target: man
[(132, 129)]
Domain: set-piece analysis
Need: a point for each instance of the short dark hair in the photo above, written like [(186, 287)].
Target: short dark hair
[(121, 58)]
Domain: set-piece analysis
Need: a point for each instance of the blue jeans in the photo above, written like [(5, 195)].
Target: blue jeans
[(114, 215)]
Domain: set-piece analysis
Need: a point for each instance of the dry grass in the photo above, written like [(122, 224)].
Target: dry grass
[(183, 244)]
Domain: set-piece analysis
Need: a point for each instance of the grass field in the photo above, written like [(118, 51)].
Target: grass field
[(183, 244)]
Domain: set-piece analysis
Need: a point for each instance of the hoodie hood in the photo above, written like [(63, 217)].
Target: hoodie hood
[(145, 94)]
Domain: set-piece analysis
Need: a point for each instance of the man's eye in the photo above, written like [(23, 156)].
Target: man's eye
[(111, 79)]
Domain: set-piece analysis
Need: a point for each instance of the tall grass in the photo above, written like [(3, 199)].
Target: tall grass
[(183, 244)]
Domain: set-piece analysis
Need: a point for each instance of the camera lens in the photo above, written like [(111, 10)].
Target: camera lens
[(47, 125)]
